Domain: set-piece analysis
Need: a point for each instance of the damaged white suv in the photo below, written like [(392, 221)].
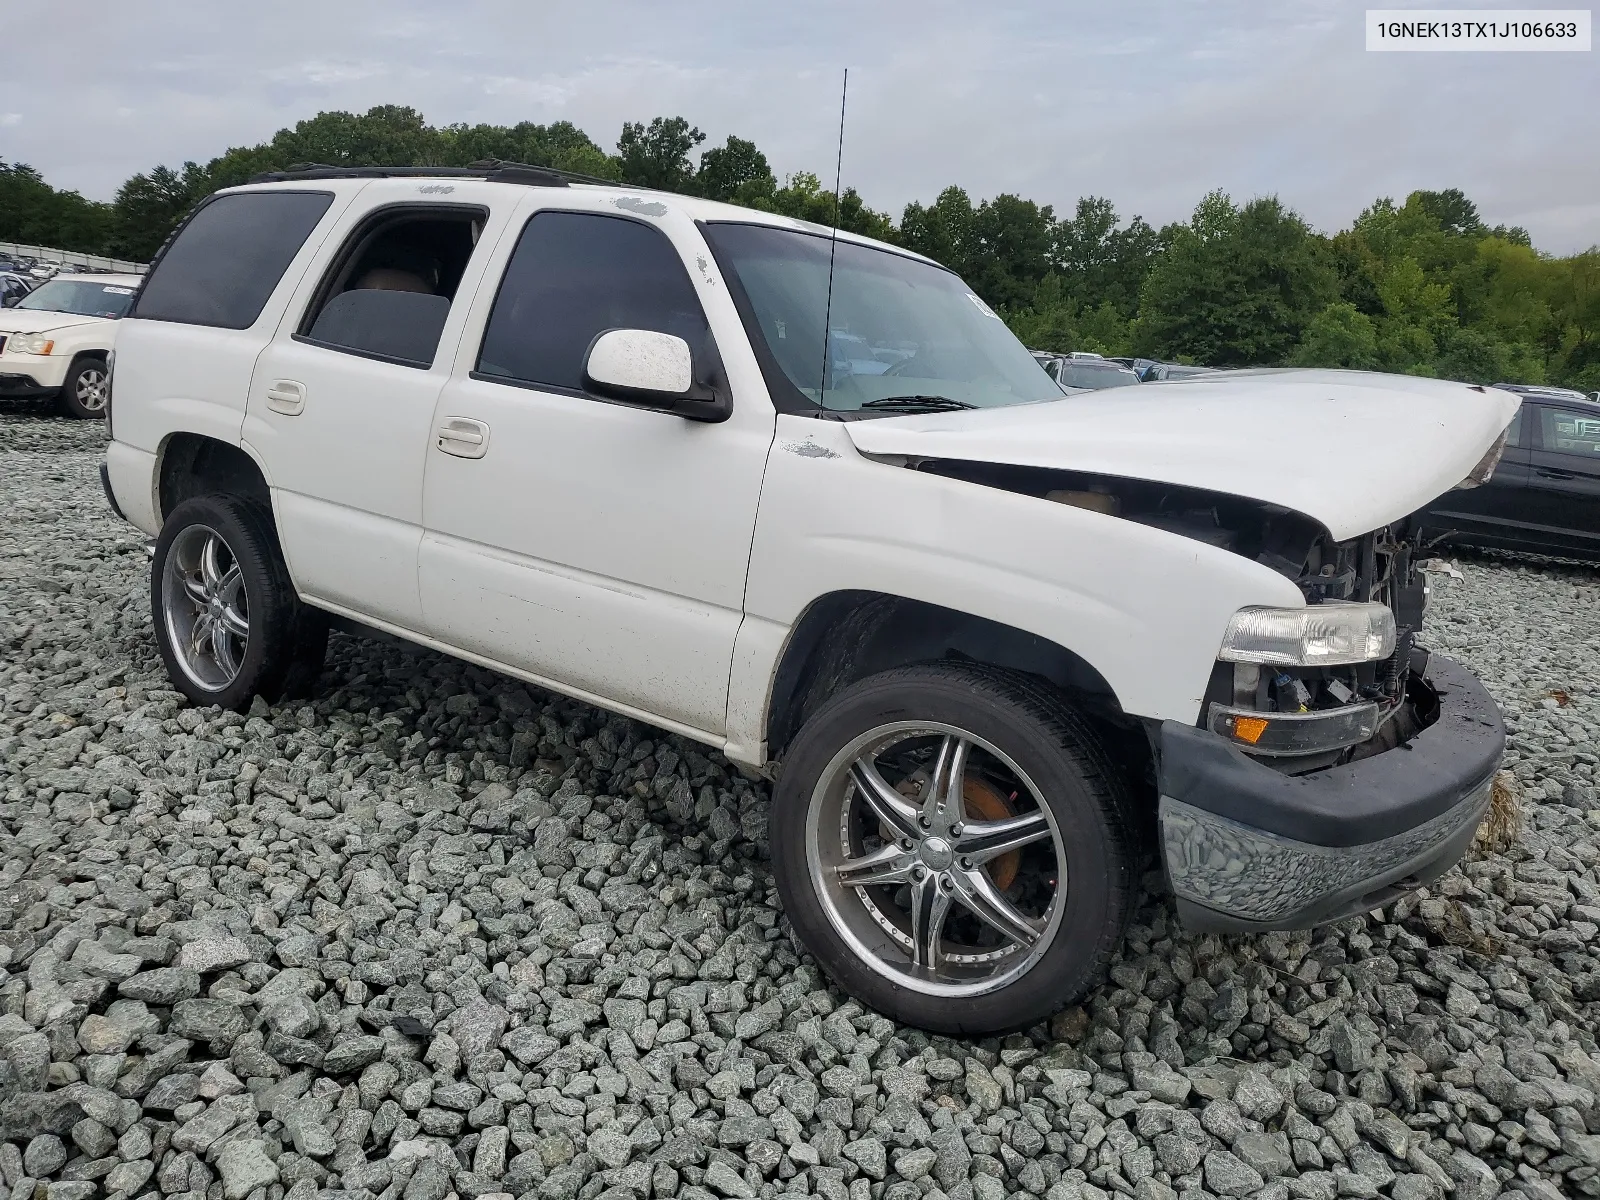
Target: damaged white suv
[(814, 505)]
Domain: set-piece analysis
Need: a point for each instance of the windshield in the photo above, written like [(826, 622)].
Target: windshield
[(1077, 373), (900, 330), (81, 297)]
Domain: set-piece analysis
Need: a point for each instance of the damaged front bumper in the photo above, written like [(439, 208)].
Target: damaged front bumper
[(1248, 848)]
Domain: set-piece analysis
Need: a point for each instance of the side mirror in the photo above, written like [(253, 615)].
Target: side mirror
[(658, 369), (641, 364)]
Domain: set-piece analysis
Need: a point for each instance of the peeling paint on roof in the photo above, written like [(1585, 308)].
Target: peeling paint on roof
[(645, 208)]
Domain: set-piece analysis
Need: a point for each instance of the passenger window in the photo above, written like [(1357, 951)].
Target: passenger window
[(1514, 431), (227, 259), (1569, 432), (389, 291), (572, 277)]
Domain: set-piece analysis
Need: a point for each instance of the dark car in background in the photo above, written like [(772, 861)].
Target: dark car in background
[(1544, 497)]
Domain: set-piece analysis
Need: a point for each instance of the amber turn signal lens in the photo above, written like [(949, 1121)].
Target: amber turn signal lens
[(1249, 729)]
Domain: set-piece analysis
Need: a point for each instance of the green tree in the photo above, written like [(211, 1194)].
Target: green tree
[(1237, 287), (1341, 335), (33, 212), (1101, 260), (735, 172), (657, 155)]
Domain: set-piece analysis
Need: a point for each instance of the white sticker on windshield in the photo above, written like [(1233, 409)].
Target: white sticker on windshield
[(117, 291), (982, 307)]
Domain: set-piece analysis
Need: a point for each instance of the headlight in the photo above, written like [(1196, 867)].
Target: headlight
[(29, 343), (1319, 635)]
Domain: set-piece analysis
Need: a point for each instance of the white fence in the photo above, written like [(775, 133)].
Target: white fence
[(72, 258)]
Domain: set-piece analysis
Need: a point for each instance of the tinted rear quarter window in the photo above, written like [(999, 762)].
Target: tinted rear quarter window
[(226, 261)]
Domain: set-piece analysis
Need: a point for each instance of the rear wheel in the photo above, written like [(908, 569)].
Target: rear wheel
[(952, 843), (86, 388), (228, 623)]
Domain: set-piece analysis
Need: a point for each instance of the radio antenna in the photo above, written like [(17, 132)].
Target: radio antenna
[(833, 242)]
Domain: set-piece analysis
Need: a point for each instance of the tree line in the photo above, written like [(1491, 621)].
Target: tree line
[(1424, 287)]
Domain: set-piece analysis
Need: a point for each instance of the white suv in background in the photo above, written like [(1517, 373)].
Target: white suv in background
[(57, 339), (810, 502)]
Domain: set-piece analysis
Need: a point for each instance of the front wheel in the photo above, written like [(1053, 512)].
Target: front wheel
[(953, 845), (86, 389), (228, 623)]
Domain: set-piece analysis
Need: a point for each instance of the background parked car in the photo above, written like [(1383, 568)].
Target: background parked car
[(1544, 497), (1085, 371), (1163, 370), (1542, 389), (55, 340), (13, 287)]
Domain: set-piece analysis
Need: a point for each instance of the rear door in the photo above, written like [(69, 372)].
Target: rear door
[(1564, 478), (342, 400)]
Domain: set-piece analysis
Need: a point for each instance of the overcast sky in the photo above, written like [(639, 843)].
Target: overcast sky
[(1149, 104)]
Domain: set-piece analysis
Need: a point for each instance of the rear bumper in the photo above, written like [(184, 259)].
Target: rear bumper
[(1249, 848)]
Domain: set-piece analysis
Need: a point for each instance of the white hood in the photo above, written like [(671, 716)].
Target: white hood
[(1353, 450), (27, 320)]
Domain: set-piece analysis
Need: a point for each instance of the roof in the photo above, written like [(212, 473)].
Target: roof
[(524, 175)]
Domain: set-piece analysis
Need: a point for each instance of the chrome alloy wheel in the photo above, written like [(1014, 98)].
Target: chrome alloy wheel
[(92, 389), (205, 607), (936, 859)]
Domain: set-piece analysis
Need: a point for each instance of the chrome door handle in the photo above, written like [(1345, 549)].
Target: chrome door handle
[(463, 437), (287, 397)]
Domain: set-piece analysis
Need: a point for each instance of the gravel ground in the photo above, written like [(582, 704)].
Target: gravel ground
[(435, 933)]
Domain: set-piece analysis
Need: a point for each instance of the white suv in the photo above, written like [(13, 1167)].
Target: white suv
[(1004, 643), (56, 340)]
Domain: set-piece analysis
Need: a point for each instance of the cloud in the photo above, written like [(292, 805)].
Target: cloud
[(1149, 104), (10, 118)]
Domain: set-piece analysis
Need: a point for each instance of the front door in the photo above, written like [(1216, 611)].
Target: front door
[(341, 402), (595, 545)]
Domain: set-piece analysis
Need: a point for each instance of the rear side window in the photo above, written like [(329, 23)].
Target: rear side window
[(572, 277), (389, 291), (225, 262), (1569, 432)]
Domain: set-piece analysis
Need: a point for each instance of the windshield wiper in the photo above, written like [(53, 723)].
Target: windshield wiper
[(918, 403)]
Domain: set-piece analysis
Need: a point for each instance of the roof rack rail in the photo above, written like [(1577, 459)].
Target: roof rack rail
[(493, 170)]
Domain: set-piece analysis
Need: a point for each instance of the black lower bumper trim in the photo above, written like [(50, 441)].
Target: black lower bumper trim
[(23, 386), (1248, 848), (1359, 802)]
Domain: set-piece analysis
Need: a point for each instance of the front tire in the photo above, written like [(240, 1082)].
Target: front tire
[(954, 846), (228, 623), (85, 391)]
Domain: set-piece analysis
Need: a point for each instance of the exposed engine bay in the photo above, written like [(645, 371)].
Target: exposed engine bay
[(1380, 566)]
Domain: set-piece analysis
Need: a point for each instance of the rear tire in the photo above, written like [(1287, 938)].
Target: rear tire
[(84, 392), (1017, 934), (228, 623)]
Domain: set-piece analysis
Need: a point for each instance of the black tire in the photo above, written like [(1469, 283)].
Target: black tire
[(286, 638), (1032, 725), (83, 373)]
